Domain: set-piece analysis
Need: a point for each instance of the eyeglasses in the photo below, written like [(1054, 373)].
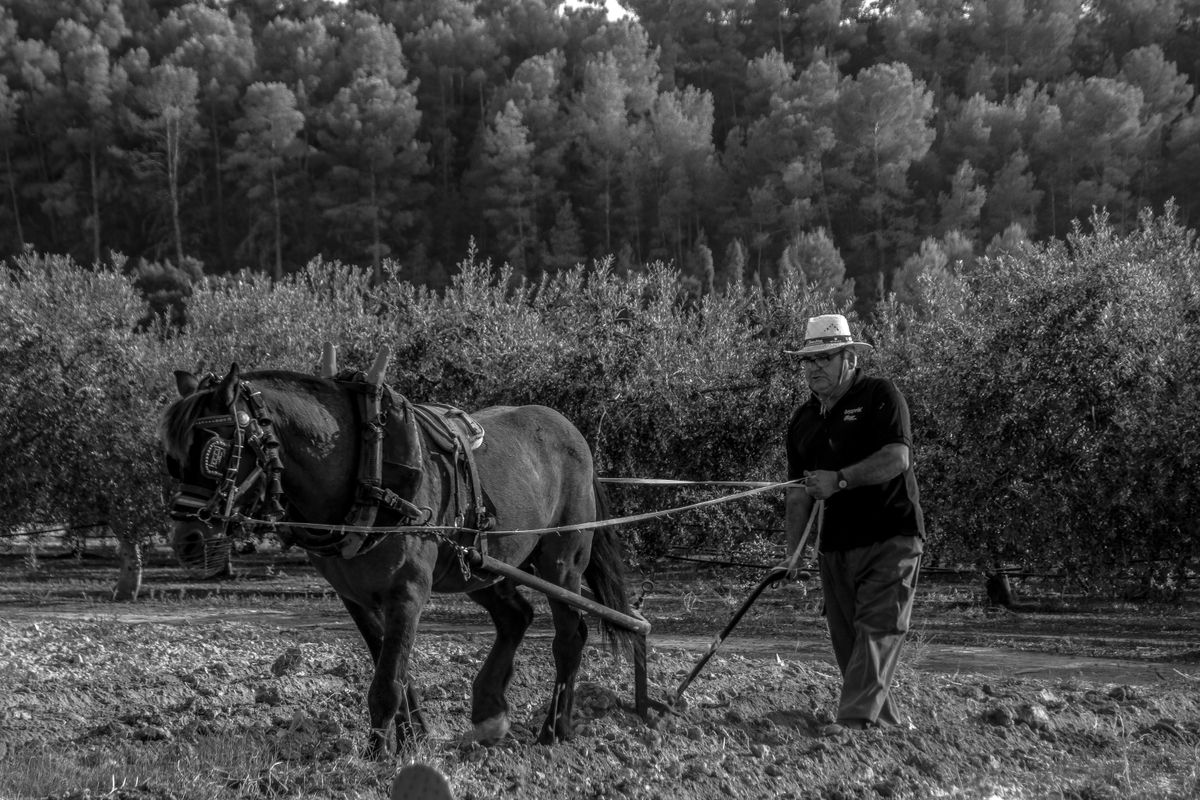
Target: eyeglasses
[(821, 360)]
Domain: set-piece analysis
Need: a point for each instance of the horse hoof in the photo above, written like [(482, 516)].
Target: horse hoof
[(408, 736), (377, 748), (491, 731), (549, 736)]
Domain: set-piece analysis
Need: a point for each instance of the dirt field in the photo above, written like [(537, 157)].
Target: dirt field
[(255, 688)]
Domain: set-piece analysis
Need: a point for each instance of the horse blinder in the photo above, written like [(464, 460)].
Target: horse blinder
[(220, 462)]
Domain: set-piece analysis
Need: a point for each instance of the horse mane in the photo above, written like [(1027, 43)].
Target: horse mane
[(175, 427)]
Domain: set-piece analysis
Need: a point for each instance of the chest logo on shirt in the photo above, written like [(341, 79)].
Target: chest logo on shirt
[(851, 414)]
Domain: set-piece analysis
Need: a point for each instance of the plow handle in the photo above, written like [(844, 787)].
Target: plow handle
[(773, 576)]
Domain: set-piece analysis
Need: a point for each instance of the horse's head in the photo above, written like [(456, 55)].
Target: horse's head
[(204, 436)]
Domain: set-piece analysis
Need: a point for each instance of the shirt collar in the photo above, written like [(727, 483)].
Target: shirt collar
[(855, 383)]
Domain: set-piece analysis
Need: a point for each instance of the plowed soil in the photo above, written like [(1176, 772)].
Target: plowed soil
[(255, 687)]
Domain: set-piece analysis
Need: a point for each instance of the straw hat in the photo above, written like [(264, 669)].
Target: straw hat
[(828, 332)]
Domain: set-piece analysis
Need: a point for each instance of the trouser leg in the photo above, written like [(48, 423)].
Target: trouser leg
[(869, 596), (837, 587)]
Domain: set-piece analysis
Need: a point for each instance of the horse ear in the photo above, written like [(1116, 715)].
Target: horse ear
[(328, 366), (186, 382), (227, 391)]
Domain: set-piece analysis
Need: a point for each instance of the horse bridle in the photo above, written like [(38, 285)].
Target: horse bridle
[(221, 460)]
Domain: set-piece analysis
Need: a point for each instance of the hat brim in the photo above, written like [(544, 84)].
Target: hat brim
[(826, 347)]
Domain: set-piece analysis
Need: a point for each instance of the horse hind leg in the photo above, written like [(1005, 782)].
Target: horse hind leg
[(570, 636), (511, 614), (564, 566)]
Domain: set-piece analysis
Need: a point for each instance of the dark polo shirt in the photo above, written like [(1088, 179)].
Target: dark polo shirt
[(870, 415)]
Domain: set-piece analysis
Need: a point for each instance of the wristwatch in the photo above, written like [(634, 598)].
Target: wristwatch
[(841, 480)]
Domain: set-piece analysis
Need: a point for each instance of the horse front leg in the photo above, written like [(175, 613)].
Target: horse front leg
[(392, 698), (511, 614), (370, 625)]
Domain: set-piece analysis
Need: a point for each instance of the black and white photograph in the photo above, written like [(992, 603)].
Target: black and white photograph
[(599, 399)]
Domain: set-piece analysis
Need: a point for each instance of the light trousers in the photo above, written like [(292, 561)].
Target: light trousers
[(869, 594)]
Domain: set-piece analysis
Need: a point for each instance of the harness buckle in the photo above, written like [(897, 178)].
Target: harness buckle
[(463, 566)]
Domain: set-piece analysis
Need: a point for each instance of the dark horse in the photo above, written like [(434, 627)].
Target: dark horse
[(306, 435)]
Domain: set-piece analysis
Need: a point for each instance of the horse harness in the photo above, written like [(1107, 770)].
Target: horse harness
[(221, 460), (452, 433)]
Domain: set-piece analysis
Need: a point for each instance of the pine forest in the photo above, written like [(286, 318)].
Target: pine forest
[(855, 145)]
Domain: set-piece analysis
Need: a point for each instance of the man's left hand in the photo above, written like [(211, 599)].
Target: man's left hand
[(820, 483)]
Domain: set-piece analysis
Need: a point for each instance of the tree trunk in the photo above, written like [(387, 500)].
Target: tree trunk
[(607, 208), (95, 205), (12, 191), (376, 233), (173, 146), (278, 269), (219, 183), (129, 579)]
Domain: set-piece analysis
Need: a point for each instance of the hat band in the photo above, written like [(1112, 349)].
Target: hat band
[(826, 340)]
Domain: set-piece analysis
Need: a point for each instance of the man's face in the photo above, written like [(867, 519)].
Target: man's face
[(825, 371)]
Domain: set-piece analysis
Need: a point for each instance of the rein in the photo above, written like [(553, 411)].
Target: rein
[(582, 526)]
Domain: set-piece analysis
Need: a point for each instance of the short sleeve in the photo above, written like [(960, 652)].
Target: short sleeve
[(889, 418), (795, 462)]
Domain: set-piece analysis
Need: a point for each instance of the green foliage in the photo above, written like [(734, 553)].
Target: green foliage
[(78, 389), (165, 286), (260, 324), (1054, 395), (1053, 388)]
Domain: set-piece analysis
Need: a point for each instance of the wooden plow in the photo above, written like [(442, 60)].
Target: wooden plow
[(638, 625)]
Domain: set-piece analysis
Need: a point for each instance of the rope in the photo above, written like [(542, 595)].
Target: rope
[(713, 562), (671, 482), (583, 526)]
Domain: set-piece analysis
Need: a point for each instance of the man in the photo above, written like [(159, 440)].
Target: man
[(850, 444)]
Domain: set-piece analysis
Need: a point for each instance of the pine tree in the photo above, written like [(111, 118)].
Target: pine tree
[(565, 246), (170, 101), (504, 179), (266, 145)]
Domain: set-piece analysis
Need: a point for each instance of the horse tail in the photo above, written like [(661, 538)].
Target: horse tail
[(605, 574)]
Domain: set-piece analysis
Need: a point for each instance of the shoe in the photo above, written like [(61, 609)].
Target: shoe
[(843, 726), (833, 730)]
